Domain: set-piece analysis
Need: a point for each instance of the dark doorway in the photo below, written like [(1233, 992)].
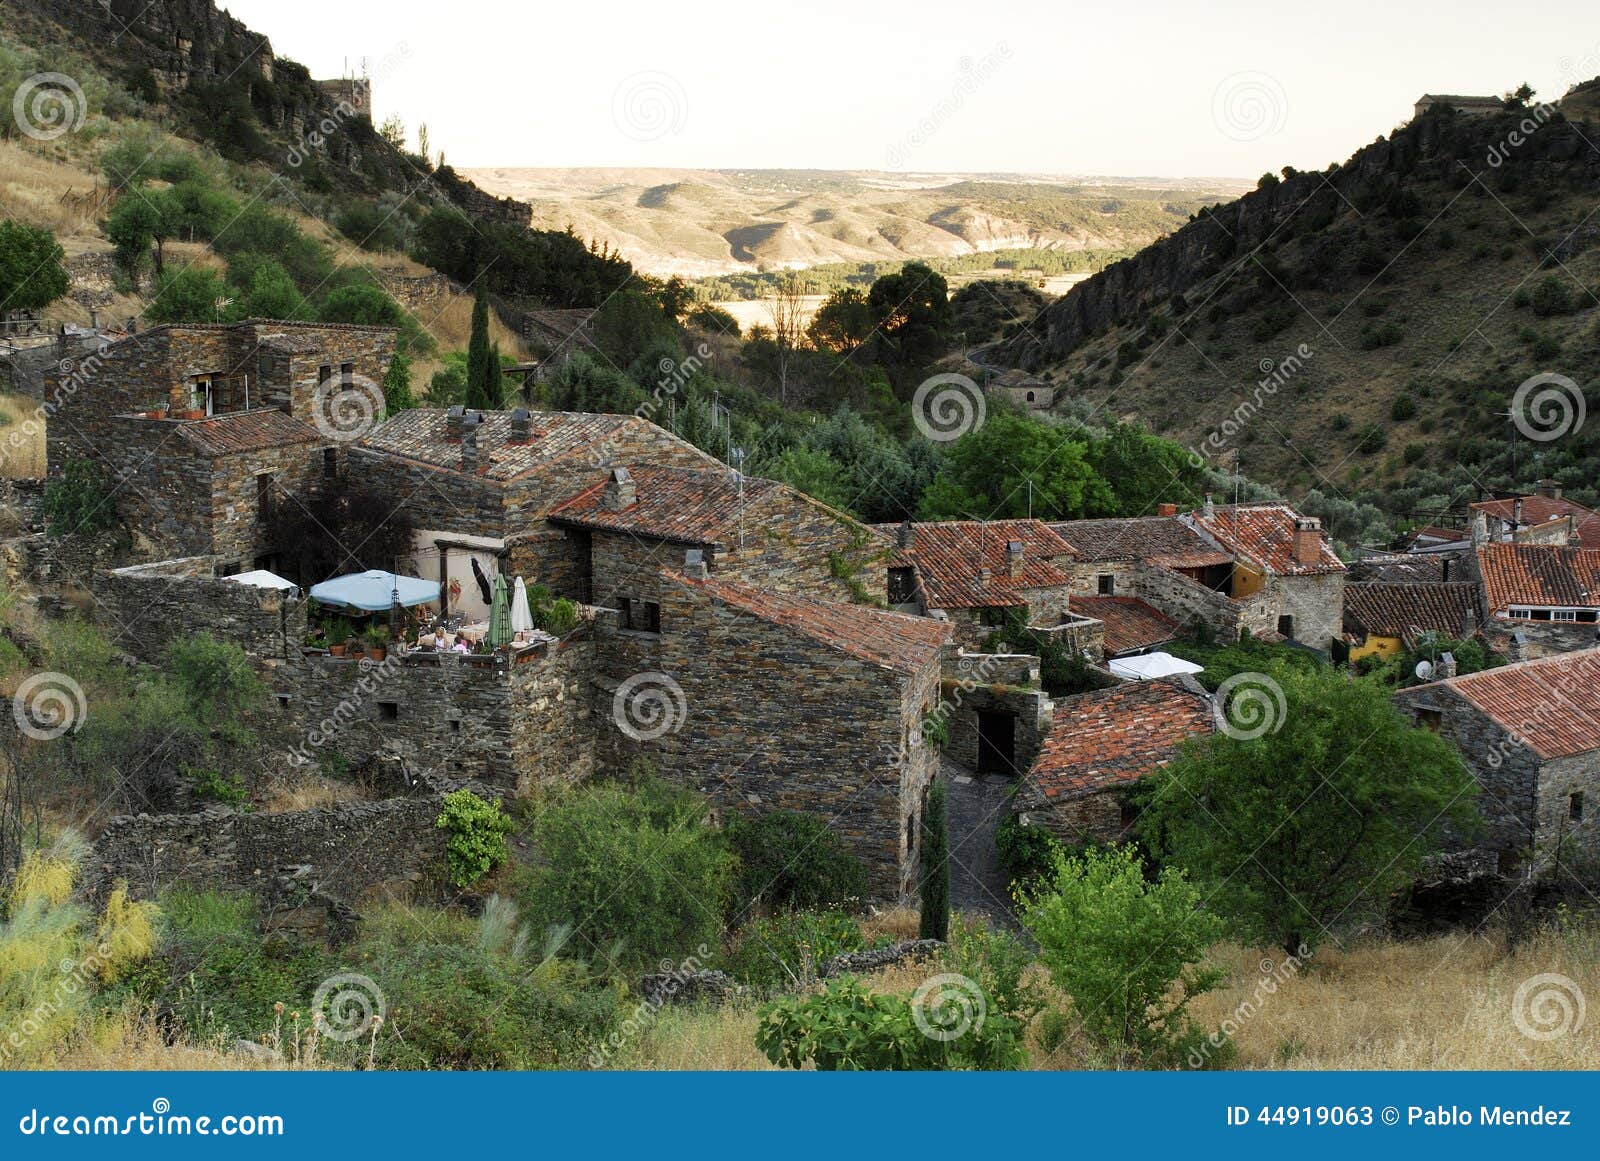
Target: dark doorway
[(1286, 627), (996, 743)]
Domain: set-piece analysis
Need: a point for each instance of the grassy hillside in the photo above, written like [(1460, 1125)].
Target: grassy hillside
[(1362, 332)]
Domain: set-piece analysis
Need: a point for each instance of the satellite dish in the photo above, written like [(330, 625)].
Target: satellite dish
[(1424, 670)]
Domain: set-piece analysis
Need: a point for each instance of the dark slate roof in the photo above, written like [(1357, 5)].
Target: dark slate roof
[(1389, 609), (1141, 538), (1539, 574), (691, 507), (1402, 566), (1114, 737), (893, 640), (419, 434), (247, 431)]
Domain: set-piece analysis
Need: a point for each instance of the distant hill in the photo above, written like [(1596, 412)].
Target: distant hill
[(1425, 278), (708, 222)]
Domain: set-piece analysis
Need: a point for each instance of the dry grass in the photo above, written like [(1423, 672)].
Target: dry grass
[(1442, 1003), (33, 183), (305, 792), (21, 453)]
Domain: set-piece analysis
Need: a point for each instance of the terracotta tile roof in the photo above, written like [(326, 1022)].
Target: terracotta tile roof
[(950, 556), (1114, 737), (1539, 574), (1552, 705), (1130, 623), (680, 504), (892, 640), (1390, 609), (1543, 509), (247, 431), (420, 434), (1141, 538), (1264, 535)]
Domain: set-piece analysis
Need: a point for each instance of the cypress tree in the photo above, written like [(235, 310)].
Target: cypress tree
[(482, 390), (935, 885)]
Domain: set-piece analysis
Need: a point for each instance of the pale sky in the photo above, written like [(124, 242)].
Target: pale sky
[(1175, 89)]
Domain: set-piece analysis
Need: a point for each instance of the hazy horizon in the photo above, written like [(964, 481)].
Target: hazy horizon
[(1169, 91)]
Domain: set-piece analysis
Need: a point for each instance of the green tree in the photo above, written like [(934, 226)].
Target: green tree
[(1333, 806), (813, 472), (1145, 470), (935, 885), (1014, 466), (271, 294), (790, 859), (483, 366), (138, 222), (31, 272), (911, 310), (843, 322), (629, 324), (78, 501), (397, 394), (1129, 950), (190, 295)]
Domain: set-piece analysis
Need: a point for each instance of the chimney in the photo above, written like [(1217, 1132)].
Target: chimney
[(985, 573), (1444, 569), (521, 425), (1166, 509), (1307, 540), (621, 494), (694, 564), (1516, 513), (94, 319), (1210, 508), (1480, 528), (906, 534), (1014, 559), (469, 450), (453, 421), (1549, 489)]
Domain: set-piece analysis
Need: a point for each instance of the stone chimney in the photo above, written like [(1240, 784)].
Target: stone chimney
[(1307, 540), (1166, 509), (694, 563), (1549, 489), (985, 573), (620, 494), (1480, 528), (521, 426), (1516, 512), (1210, 508), (454, 419), (907, 534), (469, 450), (1014, 559)]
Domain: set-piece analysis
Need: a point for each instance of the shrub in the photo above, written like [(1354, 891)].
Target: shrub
[(215, 676), (78, 501), (935, 858), (1551, 296), (635, 871), (790, 859), (849, 1028), (997, 962), (1403, 408), (1025, 852), (478, 829), (1128, 950), (786, 950), (228, 789)]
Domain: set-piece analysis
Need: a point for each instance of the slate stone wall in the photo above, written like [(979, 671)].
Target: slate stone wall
[(145, 608)]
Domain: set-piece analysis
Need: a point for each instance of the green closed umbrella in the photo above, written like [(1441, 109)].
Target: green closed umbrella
[(499, 615)]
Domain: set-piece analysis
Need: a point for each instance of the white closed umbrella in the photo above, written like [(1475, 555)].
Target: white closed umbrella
[(521, 615)]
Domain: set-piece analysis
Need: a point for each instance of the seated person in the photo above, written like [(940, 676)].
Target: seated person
[(461, 646)]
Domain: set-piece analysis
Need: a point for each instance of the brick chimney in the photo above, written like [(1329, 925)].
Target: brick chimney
[(620, 494), (1210, 508), (1307, 540), (694, 564), (521, 425), (1549, 489), (907, 534), (1166, 509), (453, 422), (1014, 559)]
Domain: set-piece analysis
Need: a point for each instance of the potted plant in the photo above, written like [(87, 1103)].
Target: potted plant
[(377, 642), (338, 637)]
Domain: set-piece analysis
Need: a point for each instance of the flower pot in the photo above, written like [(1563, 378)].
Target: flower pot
[(377, 652), (336, 650)]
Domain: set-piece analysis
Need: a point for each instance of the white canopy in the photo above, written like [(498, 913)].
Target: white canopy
[(373, 592), (521, 614), (1148, 666), (262, 579)]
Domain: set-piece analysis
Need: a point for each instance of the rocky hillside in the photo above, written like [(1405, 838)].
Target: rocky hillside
[(707, 222), (1363, 326)]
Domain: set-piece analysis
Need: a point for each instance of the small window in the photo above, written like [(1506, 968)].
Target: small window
[(1128, 814), (1575, 806), (455, 725), (1106, 583), (324, 372), (263, 491), (652, 617), (283, 701), (347, 373), (1430, 719), (1566, 615), (1030, 397), (643, 616), (902, 586), (388, 711), (330, 462), (1539, 615)]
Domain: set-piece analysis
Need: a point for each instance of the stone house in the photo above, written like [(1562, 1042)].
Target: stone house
[(1467, 106), (768, 700), (1022, 389), (1545, 517), (1530, 734), (1537, 599), (974, 572), (201, 428), (1129, 625), (1100, 745), (1384, 618)]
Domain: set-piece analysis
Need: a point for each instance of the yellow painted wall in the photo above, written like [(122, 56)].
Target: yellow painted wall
[(1246, 581), (1376, 646)]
